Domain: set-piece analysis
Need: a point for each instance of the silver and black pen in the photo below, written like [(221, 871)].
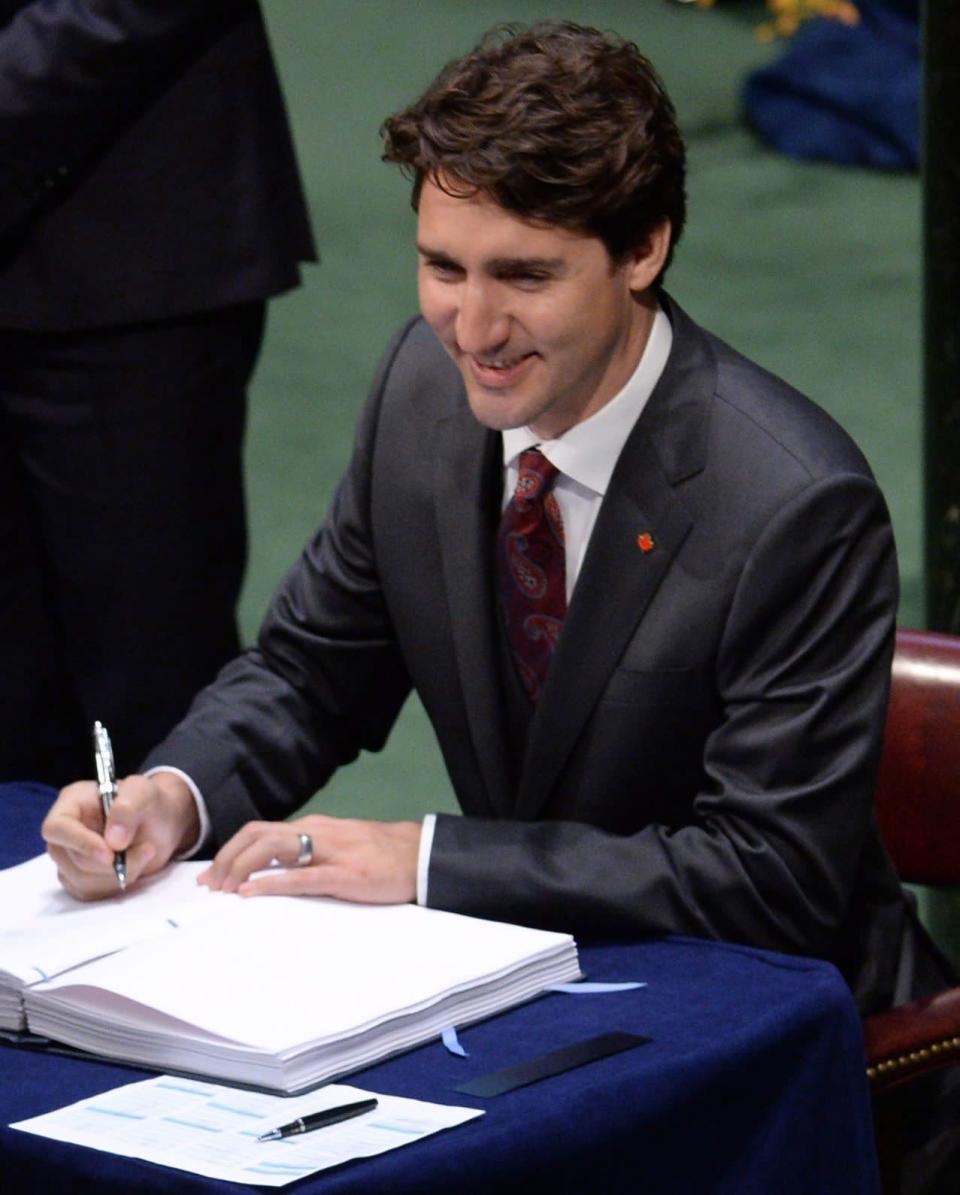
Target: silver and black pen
[(319, 1120), (107, 784)]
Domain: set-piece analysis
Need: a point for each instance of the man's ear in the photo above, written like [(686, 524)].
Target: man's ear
[(647, 259)]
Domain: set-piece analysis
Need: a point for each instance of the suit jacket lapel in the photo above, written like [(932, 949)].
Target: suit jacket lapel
[(618, 577), (466, 474)]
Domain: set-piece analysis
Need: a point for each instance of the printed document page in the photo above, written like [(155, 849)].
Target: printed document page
[(212, 1130), (44, 931)]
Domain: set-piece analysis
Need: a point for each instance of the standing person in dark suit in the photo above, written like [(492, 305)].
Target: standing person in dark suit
[(644, 589), (149, 204)]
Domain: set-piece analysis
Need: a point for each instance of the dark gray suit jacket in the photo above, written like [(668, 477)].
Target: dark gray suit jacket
[(704, 756)]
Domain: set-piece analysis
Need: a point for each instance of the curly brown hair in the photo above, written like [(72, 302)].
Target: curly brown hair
[(559, 124)]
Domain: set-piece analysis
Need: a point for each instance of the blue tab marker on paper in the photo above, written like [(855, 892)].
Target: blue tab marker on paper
[(452, 1042), (593, 989)]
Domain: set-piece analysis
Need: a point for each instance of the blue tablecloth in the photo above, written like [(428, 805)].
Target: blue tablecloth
[(753, 1083)]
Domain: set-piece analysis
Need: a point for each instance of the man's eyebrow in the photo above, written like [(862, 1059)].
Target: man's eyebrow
[(499, 265), (433, 254), (509, 265)]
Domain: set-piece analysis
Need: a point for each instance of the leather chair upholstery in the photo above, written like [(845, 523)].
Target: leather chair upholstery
[(918, 807)]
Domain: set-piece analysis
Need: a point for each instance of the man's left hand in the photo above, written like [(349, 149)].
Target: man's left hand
[(373, 862)]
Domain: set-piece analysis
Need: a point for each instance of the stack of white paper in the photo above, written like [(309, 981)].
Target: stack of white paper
[(277, 992)]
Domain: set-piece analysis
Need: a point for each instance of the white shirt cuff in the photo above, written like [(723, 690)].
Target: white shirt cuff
[(198, 801), (423, 859)]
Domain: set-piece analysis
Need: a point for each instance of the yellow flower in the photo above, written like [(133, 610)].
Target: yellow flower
[(788, 15)]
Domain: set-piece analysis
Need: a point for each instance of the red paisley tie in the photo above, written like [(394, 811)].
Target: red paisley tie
[(532, 571)]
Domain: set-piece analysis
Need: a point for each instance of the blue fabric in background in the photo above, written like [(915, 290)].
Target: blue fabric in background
[(845, 93)]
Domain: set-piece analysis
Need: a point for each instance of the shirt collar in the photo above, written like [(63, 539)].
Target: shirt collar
[(588, 452)]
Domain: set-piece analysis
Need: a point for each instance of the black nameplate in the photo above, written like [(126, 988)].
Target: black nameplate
[(554, 1063)]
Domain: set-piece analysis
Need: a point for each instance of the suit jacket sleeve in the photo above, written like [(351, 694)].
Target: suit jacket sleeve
[(325, 680), (770, 849), (73, 74)]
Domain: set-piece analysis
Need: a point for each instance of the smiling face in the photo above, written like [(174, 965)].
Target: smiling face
[(543, 326)]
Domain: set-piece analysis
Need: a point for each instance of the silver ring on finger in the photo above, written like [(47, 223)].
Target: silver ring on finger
[(305, 857)]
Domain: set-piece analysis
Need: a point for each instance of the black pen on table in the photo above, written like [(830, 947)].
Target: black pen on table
[(107, 784), (319, 1120)]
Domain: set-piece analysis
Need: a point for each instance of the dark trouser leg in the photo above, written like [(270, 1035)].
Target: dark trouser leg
[(123, 544), (39, 712)]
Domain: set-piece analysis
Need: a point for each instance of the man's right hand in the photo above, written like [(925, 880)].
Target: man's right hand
[(153, 818)]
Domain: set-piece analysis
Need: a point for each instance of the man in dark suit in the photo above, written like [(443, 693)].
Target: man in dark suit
[(644, 589), (149, 204)]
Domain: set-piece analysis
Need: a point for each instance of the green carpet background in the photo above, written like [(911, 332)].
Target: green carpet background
[(812, 270)]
